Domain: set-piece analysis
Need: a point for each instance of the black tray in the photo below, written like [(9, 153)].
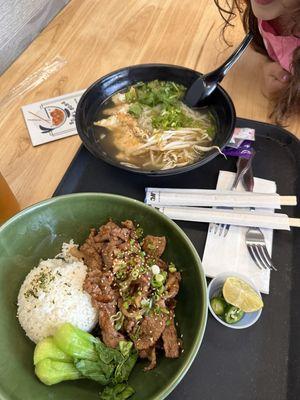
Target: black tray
[(259, 363)]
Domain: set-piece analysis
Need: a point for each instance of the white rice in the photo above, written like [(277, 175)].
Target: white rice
[(52, 294)]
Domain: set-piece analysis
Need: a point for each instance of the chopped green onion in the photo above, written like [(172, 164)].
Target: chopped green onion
[(156, 297), (161, 310), (157, 280), (155, 269), (121, 274), (116, 316), (118, 324), (161, 289), (135, 274), (145, 302), (118, 320), (172, 267), (135, 335), (139, 232)]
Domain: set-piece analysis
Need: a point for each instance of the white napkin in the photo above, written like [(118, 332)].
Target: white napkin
[(230, 253)]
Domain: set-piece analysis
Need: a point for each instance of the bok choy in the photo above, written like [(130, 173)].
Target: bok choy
[(74, 354)]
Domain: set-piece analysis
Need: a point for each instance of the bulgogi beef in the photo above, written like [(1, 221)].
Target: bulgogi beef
[(133, 288), (170, 340), (154, 245)]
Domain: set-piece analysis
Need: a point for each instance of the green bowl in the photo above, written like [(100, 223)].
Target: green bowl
[(38, 232)]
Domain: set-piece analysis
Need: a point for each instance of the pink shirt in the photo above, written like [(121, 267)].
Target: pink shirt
[(280, 48)]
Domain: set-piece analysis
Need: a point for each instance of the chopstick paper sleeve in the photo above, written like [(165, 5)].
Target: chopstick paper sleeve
[(231, 217), (215, 198)]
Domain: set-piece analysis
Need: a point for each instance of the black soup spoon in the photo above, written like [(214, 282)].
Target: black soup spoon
[(206, 84)]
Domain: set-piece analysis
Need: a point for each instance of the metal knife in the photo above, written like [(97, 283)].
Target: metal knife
[(242, 166), (247, 179)]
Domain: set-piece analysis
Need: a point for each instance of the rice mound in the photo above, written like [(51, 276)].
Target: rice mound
[(52, 293)]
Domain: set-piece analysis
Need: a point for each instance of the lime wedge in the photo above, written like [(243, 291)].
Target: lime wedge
[(240, 294)]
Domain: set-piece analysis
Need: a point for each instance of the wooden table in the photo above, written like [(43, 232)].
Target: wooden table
[(96, 37)]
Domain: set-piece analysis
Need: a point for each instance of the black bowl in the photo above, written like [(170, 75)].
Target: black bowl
[(94, 97)]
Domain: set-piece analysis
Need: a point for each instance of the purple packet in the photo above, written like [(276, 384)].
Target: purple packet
[(244, 150)]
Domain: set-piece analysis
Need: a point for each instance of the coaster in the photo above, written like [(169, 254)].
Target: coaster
[(52, 119)]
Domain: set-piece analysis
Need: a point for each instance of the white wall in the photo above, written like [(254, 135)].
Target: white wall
[(20, 22)]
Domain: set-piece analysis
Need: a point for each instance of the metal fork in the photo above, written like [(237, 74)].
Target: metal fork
[(243, 166), (255, 239), (257, 248)]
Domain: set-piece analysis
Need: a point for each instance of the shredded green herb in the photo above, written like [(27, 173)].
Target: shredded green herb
[(164, 99), (155, 93)]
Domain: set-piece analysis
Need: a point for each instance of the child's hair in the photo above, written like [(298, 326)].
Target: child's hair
[(287, 102)]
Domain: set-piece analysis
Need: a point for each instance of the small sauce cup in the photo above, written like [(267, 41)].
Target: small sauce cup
[(214, 288)]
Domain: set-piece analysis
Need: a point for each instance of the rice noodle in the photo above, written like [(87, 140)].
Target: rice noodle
[(126, 164)]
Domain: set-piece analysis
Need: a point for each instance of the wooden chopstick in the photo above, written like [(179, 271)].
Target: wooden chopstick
[(294, 222), (288, 200)]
